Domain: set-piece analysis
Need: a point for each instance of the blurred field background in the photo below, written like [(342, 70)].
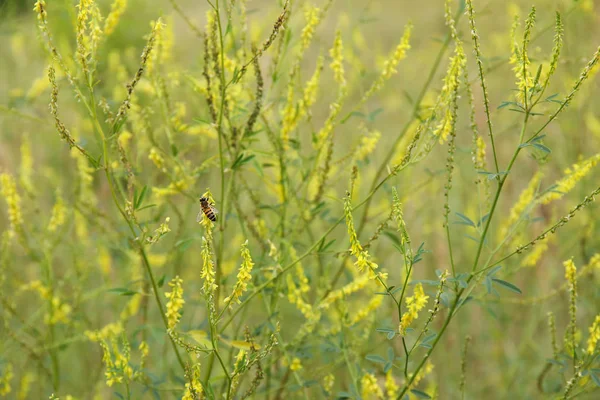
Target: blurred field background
[(98, 277)]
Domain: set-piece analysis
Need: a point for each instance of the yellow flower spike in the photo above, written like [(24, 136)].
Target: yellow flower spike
[(531, 259), (157, 158), (112, 20), (26, 168), (296, 364), (363, 259), (391, 387), (59, 212), (313, 17), (389, 67), (369, 387), (243, 277), (193, 388), (5, 379), (354, 286), (337, 63), (328, 383), (414, 304), (8, 189), (367, 310), (422, 374), (367, 145), (525, 200), (572, 176), (594, 336), (175, 303), (571, 277)]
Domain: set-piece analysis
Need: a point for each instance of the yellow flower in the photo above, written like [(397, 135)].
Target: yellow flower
[(337, 55), (328, 382), (116, 10), (175, 303), (391, 387), (243, 277), (345, 291), (60, 312), (524, 201), (572, 176), (536, 253), (296, 364), (193, 388), (370, 388), (13, 201), (26, 169), (389, 67), (367, 145), (5, 378), (363, 259), (367, 310), (570, 271), (594, 336), (422, 374), (157, 158), (313, 17), (58, 215), (414, 304)]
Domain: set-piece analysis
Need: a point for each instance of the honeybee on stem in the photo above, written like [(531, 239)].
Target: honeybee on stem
[(207, 209)]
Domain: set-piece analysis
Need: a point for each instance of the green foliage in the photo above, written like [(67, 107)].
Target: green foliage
[(245, 207)]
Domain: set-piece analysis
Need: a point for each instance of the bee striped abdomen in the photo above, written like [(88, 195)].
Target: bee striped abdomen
[(208, 209)]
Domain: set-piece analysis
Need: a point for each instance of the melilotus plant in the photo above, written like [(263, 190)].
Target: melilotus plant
[(372, 226)]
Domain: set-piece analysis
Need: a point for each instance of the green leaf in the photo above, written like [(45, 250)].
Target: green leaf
[(393, 237), (241, 160), (161, 281), (390, 354), (493, 271), (420, 394), (374, 114), (122, 291), (376, 358), (148, 206), (140, 199), (465, 220), (507, 285), (596, 379), (388, 365), (391, 335)]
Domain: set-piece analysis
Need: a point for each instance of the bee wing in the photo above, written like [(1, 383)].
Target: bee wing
[(199, 217), (215, 211)]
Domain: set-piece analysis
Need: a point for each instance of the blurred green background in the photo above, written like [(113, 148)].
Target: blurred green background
[(510, 341)]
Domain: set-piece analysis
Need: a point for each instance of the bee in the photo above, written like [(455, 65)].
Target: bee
[(207, 209)]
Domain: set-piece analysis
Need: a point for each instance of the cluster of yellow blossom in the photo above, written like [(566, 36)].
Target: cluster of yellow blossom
[(367, 145), (5, 378), (175, 303), (369, 387), (59, 213), (13, 201), (572, 176), (337, 62), (414, 303), (313, 17), (116, 10), (296, 364), (363, 258), (525, 199), (391, 387), (243, 277), (594, 336), (193, 388)]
